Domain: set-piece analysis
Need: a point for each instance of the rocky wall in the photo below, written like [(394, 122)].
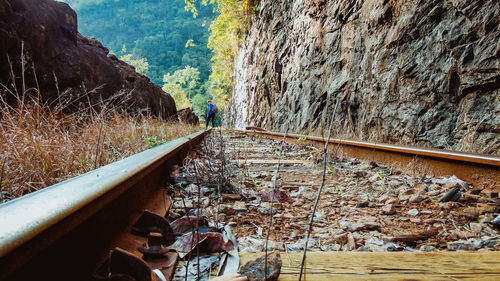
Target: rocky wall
[(421, 72)]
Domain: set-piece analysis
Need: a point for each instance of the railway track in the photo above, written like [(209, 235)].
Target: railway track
[(480, 170), (66, 231)]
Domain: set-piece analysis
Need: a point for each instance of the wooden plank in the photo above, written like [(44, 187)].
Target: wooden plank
[(272, 161), (389, 266), (229, 197)]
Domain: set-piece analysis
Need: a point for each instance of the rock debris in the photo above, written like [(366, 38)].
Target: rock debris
[(365, 206)]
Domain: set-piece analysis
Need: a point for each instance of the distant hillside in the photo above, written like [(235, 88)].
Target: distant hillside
[(153, 29)]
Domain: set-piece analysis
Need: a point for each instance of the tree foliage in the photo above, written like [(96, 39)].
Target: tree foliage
[(199, 103), (171, 45), (181, 85), (156, 30), (141, 64), (227, 33)]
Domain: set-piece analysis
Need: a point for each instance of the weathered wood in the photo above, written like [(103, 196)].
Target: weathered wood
[(230, 197), (271, 161), (412, 237), (390, 266)]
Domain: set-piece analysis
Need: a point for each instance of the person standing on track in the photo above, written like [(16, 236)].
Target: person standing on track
[(212, 109)]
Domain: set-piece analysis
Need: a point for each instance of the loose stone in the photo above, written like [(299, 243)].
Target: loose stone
[(413, 212)]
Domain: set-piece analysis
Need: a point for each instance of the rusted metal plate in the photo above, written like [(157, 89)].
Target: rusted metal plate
[(483, 171), (72, 224)]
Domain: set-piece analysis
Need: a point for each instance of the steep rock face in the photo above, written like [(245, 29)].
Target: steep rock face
[(65, 62), (417, 72)]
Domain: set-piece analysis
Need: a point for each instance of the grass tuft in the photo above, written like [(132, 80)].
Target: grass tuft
[(42, 145)]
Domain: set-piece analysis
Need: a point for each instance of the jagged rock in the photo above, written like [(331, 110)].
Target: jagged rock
[(496, 222), (471, 212), (192, 189), (404, 198), (491, 242), (350, 226), (66, 62), (416, 198), (187, 116), (383, 198), (427, 248), (373, 244), (267, 210), (332, 247), (413, 212), (253, 244), (453, 195), (475, 227), (312, 245), (461, 245), (351, 244), (239, 206), (389, 209), (254, 270), (416, 220), (411, 71)]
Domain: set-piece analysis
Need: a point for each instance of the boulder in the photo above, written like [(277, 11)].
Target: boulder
[(68, 65), (187, 116)]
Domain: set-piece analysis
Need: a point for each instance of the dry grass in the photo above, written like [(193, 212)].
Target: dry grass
[(42, 146)]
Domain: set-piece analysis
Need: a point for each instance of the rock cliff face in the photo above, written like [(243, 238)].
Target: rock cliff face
[(66, 62), (424, 72)]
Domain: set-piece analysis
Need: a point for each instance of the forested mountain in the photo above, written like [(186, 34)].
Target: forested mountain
[(152, 31)]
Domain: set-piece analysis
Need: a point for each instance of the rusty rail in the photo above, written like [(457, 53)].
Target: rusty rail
[(57, 233), (482, 171)]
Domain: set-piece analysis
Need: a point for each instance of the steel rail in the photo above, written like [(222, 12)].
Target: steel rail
[(481, 170), (59, 224)]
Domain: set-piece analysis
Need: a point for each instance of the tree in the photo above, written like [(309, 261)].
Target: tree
[(181, 84), (179, 96), (227, 33), (155, 30), (141, 64), (199, 103)]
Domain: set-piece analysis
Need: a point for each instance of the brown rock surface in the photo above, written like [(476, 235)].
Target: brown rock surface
[(67, 62)]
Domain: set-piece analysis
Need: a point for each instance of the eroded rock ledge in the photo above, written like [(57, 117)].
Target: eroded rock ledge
[(414, 72), (67, 62)]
